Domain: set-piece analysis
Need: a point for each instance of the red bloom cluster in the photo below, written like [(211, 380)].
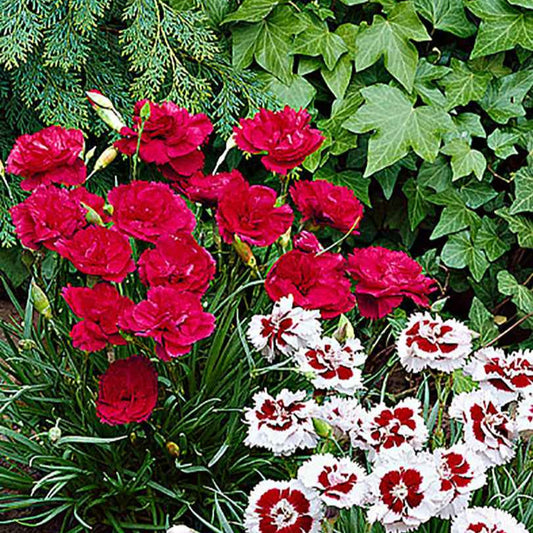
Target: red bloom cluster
[(384, 277), (52, 155), (100, 309), (177, 261), (285, 136), (324, 204), (127, 391), (315, 282), (38, 221), (170, 138), (99, 251), (249, 212), (174, 319), (147, 210), (208, 190)]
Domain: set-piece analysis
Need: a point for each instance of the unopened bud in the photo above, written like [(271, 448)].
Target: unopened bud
[(54, 434), (322, 428), (344, 329), (40, 300), (106, 158), (27, 344), (145, 111), (173, 449), (2, 169), (105, 110), (92, 216), (285, 239), (90, 154), (244, 252)]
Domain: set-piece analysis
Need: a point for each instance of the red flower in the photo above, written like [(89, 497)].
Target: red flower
[(208, 189), (127, 391), (324, 204), (99, 251), (315, 281), (249, 212), (38, 221), (285, 136), (307, 242), (170, 138), (147, 210), (51, 155), (100, 309), (384, 277), (174, 319), (178, 261)]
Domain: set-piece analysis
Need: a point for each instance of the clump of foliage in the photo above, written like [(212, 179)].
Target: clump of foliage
[(424, 104)]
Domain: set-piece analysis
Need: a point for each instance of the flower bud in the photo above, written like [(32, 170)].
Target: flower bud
[(244, 252), (27, 344), (173, 449), (344, 330), (54, 434), (105, 158), (40, 300), (322, 428), (105, 110), (92, 216)]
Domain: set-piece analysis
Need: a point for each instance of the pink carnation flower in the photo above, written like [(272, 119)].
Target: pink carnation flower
[(487, 430), (283, 507), (281, 424), (332, 365), (285, 330), (337, 481), (428, 342)]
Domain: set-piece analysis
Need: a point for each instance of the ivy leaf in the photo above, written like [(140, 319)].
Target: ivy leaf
[(317, 40), (465, 160), (398, 127), (436, 175), (522, 297), (244, 39), (528, 4), (503, 143), (296, 94), (468, 125), (503, 99), (455, 216), (387, 178), (523, 191), (338, 79), (502, 27), (459, 252), (424, 84), (476, 194), (273, 47), (482, 321), (519, 224), (488, 239), (446, 15), (391, 38), (418, 206), (463, 85), (348, 178), (252, 11)]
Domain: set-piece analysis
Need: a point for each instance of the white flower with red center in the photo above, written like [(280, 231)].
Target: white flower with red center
[(337, 480), (332, 365), (286, 330), (283, 507), (504, 375), (428, 342), (461, 472), (486, 520), (487, 429), (524, 414), (390, 427), (345, 416), (281, 424), (403, 489)]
